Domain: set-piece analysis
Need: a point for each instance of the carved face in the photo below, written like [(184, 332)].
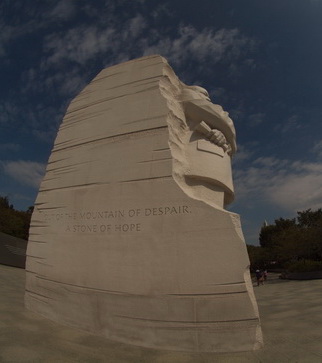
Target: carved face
[(211, 143), (194, 92)]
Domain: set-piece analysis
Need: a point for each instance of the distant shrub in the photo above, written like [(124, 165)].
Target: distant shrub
[(304, 266)]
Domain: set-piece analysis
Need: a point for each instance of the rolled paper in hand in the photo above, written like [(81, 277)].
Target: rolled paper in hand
[(204, 129)]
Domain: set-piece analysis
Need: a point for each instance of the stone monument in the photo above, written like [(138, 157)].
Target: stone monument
[(129, 237)]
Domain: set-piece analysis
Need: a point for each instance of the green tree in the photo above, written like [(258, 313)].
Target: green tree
[(310, 219), (259, 257), (269, 234), (4, 202), (290, 240), (310, 223), (13, 222)]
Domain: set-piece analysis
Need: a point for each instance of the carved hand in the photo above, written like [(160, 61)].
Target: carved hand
[(215, 136)]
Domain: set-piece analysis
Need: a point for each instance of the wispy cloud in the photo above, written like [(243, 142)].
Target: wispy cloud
[(38, 19), (292, 123), (26, 172), (9, 146), (289, 185), (242, 154), (63, 10), (77, 45), (298, 191), (84, 43), (9, 111), (73, 52), (256, 119), (317, 149), (6, 34), (207, 44)]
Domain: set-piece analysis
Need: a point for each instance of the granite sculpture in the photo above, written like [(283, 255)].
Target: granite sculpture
[(129, 238)]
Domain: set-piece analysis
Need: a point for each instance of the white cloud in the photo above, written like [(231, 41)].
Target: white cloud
[(136, 25), (162, 11), (39, 19), (224, 44), (298, 191), (256, 119), (26, 172), (218, 92), (270, 162), (6, 34), (289, 185), (9, 146), (250, 63), (83, 43), (242, 154), (237, 113), (8, 111), (117, 42), (78, 45), (72, 53), (292, 123), (63, 10), (317, 149)]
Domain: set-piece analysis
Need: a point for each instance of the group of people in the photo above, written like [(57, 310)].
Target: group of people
[(261, 276)]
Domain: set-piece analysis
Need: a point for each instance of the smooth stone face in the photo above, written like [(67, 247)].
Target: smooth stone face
[(129, 237)]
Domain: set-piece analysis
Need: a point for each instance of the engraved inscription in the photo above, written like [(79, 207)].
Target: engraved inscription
[(111, 221)]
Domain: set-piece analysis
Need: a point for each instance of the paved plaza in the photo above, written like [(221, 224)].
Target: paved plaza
[(291, 316)]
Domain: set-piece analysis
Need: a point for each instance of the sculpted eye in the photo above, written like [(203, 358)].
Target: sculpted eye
[(204, 92)]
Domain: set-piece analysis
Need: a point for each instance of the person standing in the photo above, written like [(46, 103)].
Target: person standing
[(259, 277)]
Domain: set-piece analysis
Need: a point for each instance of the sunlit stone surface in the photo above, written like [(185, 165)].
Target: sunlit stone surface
[(129, 237)]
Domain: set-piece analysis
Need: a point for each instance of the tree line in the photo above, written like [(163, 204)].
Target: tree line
[(283, 244), (12, 221), (290, 242)]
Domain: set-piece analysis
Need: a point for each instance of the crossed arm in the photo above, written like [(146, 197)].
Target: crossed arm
[(215, 136)]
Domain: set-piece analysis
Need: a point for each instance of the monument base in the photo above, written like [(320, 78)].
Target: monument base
[(128, 319), (163, 285)]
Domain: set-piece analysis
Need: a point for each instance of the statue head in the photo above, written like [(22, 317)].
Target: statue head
[(194, 93), (209, 144)]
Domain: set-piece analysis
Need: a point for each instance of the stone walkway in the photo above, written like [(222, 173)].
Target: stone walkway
[(291, 315)]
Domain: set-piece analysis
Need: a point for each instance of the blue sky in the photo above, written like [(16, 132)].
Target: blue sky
[(260, 60)]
